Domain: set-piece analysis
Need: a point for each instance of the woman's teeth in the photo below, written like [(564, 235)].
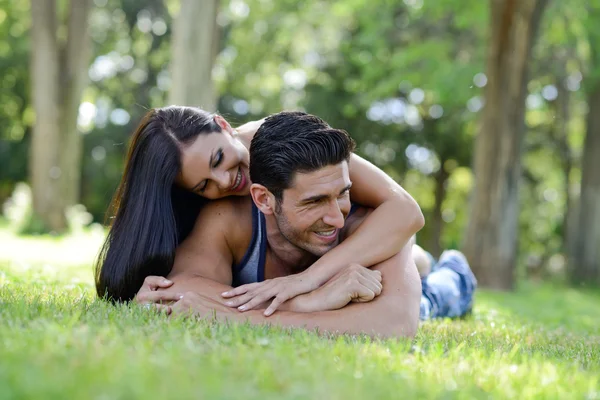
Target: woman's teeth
[(238, 179)]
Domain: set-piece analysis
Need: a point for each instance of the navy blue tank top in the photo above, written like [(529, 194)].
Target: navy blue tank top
[(252, 267)]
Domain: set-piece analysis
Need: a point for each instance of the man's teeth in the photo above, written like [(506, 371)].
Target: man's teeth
[(326, 233)]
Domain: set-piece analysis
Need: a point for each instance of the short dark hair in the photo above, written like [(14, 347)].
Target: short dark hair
[(291, 142)]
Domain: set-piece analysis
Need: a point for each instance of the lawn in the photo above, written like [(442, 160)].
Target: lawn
[(58, 341)]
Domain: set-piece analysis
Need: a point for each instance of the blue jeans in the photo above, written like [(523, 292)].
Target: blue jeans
[(448, 289)]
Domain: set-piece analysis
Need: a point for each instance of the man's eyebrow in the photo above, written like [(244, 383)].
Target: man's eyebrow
[(315, 198), (320, 197), (210, 163), (346, 188)]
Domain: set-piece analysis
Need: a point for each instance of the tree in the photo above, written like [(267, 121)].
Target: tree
[(194, 48), (58, 72), (491, 238), (585, 256)]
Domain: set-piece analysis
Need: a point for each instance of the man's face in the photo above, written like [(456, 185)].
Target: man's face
[(314, 208)]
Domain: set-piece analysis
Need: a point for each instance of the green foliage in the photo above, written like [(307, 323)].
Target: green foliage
[(404, 78), (15, 108)]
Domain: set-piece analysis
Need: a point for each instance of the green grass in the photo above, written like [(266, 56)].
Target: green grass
[(58, 342)]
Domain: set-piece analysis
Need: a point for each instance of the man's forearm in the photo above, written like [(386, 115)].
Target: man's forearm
[(356, 318), (374, 241), (394, 313)]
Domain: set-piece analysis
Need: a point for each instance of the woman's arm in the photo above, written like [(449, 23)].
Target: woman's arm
[(395, 219)]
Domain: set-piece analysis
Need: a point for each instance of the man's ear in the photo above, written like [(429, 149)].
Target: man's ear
[(223, 124), (263, 198)]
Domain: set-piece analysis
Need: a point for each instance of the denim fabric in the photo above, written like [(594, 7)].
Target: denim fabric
[(448, 290)]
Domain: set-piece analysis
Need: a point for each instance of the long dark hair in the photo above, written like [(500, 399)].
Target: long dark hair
[(149, 214)]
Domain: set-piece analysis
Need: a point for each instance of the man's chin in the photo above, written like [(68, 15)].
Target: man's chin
[(321, 249)]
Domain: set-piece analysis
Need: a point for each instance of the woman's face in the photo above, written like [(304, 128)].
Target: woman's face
[(215, 165)]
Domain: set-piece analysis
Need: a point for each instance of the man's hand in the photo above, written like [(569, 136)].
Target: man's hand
[(252, 295), (354, 284), (149, 294)]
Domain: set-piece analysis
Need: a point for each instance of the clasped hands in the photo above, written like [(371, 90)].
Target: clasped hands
[(298, 293)]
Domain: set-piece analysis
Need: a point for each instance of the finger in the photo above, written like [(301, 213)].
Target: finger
[(370, 277), (379, 287), (181, 308), (164, 309), (240, 300), (277, 301), (365, 295), (257, 300), (369, 285), (157, 297), (375, 274), (154, 282), (240, 290)]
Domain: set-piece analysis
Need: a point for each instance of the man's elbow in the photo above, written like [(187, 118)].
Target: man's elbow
[(405, 326), (404, 320), (401, 317)]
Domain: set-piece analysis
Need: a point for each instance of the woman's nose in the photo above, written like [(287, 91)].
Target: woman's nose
[(222, 178)]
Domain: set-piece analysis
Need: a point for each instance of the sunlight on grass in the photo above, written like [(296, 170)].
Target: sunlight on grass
[(59, 342)]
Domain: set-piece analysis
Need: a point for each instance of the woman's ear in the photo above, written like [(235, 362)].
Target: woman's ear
[(223, 124), (263, 198)]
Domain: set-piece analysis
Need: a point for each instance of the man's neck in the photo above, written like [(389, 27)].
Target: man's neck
[(287, 257)]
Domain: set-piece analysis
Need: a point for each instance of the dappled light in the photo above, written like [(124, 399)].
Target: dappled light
[(121, 121)]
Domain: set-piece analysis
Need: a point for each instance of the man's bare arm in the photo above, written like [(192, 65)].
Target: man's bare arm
[(394, 313), (203, 266)]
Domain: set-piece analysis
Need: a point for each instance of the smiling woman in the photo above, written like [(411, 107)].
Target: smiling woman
[(150, 213), (215, 165)]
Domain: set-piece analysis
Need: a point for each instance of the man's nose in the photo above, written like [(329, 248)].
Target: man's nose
[(334, 216)]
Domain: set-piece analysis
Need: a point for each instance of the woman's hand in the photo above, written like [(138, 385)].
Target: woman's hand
[(149, 294), (252, 295), (194, 304)]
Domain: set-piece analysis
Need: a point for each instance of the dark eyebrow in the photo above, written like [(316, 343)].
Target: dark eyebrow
[(210, 162), (347, 188), (320, 197)]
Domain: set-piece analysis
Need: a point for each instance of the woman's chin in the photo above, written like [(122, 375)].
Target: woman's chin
[(245, 192)]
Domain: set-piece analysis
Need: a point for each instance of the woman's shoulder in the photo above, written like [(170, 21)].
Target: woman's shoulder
[(224, 214), (246, 132)]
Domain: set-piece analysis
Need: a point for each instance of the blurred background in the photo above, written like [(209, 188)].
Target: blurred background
[(487, 112)]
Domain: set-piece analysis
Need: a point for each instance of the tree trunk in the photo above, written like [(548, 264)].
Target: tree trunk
[(437, 223), (566, 157), (76, 56), (44, 158), (59, 72), (194, 48), (585, 260), (491, 238)]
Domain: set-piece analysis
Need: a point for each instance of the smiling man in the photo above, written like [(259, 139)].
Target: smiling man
[(299, 209)]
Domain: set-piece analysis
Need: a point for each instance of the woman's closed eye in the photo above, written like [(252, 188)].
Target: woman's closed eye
[(202, 187), (218, 158)]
